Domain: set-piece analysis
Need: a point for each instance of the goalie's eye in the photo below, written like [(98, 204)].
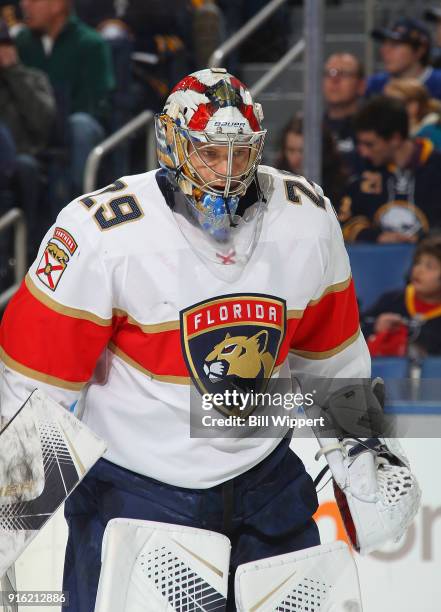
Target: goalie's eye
[(230, 348)]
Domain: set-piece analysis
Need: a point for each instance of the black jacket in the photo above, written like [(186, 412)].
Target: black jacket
[(27, 107)]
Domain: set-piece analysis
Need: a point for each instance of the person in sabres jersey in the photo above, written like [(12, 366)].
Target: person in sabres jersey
[(212, 268)]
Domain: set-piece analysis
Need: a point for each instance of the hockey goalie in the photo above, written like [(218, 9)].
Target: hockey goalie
[(205, 275)]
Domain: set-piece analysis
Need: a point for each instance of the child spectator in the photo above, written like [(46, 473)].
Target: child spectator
[(410, 316)]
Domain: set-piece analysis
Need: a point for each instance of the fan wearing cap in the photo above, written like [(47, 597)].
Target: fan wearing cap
[(405, 51)]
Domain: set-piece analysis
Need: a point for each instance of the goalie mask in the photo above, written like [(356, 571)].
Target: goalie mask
[(210, 141)]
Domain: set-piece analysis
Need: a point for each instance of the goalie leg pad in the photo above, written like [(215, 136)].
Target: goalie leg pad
[(147, 565), (322, 578)]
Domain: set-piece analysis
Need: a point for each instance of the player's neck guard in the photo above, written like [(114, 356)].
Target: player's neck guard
[(223, 232)]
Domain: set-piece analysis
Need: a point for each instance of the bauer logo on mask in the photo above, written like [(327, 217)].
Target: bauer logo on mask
[(233, 342)]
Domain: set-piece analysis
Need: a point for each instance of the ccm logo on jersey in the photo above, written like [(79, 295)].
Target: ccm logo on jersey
[(55, 259), (232, 342)]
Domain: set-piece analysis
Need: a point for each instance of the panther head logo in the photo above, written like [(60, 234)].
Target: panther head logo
[(61, 256), (240, 357), (223, 94)]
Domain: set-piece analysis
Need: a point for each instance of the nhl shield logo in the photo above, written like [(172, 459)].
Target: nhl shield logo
[(232, 342)]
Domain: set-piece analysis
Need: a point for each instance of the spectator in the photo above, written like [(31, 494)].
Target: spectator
[(405, 50), (27, 105), (78, 63), (10, 13), (290, 159), (27, 108), (8, 162), (343, 86), (7, 168), (397, 198), (423, 111), (433, 14), (411, 315)]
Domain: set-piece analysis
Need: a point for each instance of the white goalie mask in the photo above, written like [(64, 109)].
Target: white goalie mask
[(210, 142)]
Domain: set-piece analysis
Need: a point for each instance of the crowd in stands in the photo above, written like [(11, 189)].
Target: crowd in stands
[(74, 71), (382, 169)]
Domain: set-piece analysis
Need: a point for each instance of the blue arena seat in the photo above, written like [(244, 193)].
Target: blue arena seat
[(394, 371), (431, 367), (377, 268), (390, 367)]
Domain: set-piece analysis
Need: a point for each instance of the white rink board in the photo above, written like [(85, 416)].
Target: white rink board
[(407, 577)]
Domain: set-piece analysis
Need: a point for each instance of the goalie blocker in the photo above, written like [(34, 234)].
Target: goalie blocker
[(376, 492)]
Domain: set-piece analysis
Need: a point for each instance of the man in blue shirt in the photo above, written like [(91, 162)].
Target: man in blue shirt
[(405, 51)]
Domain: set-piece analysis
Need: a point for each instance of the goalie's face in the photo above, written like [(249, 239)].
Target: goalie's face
[(220, 167)]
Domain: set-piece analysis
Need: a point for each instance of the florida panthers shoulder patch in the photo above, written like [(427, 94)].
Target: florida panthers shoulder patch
[(55, 258)]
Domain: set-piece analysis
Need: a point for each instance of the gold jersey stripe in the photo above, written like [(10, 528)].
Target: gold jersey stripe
[(330, 352), (341, 286), (294, 314), (337, 287), (75, 313), (46, 378), (178, 380), (152, 328)]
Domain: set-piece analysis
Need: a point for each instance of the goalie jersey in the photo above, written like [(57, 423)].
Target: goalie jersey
[(120, 313)]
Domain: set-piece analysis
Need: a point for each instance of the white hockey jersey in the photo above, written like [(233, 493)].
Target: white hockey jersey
[(119, 312)]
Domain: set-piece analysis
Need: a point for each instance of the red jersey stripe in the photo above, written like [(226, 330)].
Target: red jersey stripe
[(49, 380), (180, 380), (51, 343), (76, 313), (158, 353), (328, 323)]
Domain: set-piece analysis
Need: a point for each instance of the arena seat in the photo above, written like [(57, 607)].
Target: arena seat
[(390, 367), (394, 371), (377, 268), (431, 367)]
